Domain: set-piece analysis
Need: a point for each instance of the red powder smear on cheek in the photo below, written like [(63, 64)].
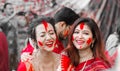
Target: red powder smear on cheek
[(82, 26), (45, 24), (89, 40), (40, 43)]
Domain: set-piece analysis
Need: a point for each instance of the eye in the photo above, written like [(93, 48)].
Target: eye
[(76, 32), (51, 33), (86, 33), (42, 35)]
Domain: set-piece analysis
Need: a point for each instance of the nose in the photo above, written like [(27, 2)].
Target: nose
[(48, 37), (80, 35)]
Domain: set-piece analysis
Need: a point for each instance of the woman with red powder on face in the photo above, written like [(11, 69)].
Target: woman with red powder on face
[(85, 50), (44, 40)]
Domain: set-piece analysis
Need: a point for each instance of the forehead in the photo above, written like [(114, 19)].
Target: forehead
[(85, 27), (41, 27)]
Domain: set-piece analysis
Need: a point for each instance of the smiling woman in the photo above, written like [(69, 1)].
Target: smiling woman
[(43, 35), (85, 50)]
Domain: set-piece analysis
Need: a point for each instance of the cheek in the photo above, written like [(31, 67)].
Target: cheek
[(89, 41), (65, 33), (40, 43)]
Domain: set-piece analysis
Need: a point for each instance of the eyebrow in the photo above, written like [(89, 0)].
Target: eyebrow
[(50, 30), (83, 30)]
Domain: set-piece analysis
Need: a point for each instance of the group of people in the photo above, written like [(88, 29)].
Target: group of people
[(65, 42)]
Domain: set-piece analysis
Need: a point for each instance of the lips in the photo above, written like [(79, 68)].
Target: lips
[(80, 42), (49, 44)]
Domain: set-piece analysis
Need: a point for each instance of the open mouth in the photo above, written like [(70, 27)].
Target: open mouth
[(80, 42), (49, 44)]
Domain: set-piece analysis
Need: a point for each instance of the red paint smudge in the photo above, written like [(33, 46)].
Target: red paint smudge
[(80, 46), (66, 33), (45, 24), (56, 43), (72, 38), (89, 40), (81, 26), (40, 43)]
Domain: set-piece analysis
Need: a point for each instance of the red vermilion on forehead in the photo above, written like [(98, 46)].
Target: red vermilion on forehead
[(40, 43), (45, 24), (82, 25), (89, 40)]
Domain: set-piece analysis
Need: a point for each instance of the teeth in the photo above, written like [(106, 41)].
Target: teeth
[(50, 43)]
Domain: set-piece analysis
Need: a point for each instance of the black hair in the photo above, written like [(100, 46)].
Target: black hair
[(37, 21), (118, 31), (67, 15), (5, 5), (21, 13)]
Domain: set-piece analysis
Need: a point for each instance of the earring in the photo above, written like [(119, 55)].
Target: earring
[(92, 45)]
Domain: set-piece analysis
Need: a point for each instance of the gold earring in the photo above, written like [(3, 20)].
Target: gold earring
[(92, 45)]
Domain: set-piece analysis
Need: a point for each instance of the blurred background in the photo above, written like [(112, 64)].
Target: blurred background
[(105, 12)]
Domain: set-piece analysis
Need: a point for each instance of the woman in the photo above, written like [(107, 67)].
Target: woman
[(85, 50), (43, 35)]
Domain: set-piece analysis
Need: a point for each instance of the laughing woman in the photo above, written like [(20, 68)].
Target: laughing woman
[(85, 50), (43, 35)]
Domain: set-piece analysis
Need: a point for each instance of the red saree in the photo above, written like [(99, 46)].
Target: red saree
[(95, 64)]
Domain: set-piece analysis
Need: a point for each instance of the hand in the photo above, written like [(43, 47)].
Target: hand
[(25, 56)]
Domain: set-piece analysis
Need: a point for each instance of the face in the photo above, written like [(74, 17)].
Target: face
[(82, 36), (45, 36), (61, 29), (21, 20), (9, 9)]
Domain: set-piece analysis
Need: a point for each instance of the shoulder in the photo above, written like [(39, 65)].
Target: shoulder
[(97, 65), (21, 67), (65, 61), (25, 66)]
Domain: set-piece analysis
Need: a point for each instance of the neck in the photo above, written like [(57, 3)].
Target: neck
[(85, 54), (46, 56)]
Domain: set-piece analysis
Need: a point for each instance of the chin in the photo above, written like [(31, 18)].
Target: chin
[(49, 49)]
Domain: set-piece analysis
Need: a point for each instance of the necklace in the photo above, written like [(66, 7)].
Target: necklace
[(84, 65)]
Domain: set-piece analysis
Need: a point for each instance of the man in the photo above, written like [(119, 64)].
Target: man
[(64, 18)]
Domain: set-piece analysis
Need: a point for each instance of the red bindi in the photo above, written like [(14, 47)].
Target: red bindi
[(45, 24), (82, 26)]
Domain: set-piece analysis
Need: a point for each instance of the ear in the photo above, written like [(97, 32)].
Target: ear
[(62, 24)]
